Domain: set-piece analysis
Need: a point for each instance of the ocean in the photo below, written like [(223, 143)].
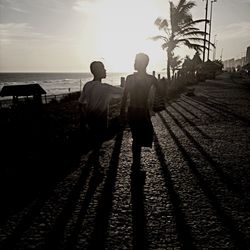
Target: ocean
[(56, 83)]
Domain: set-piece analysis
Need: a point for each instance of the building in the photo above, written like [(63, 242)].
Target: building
[(16, 91), (248, 55), (232, 63)]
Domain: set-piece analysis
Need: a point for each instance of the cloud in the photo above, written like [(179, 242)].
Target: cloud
[(13, 5), (30, 5), (24, 49), (243, 1), (235, 31), (83, 5), (13, 32), (19, 10), (23, 35)]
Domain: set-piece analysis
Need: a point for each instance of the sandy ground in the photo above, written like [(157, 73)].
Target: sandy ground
[(192, 194)]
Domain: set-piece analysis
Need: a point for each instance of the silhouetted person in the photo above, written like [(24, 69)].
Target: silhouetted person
[(137, 88), (94, 101)]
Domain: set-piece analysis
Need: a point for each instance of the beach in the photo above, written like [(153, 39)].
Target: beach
[(56, 83)]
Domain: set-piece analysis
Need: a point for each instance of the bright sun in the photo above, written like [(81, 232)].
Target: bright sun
[(123, 29)]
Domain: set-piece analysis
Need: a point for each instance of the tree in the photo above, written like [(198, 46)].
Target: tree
[(187, 67), (196, 59), (219, 62), (175, 63), (180, 30)]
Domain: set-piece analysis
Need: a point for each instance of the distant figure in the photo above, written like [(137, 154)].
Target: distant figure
[(94, 101), (137, 87)]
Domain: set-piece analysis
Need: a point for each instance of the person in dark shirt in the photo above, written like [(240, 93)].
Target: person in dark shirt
[(94, 102), (137, 89)]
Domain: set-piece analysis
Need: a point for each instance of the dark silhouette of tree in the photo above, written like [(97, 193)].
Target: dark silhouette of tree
[(219, 62), (179, 30), (196, 59), (189, 66), (175, 63)]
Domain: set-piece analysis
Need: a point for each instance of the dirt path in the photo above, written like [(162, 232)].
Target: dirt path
[(195, 194)]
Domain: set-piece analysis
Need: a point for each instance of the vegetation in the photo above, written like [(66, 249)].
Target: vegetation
[(175, 63), (179, 30)]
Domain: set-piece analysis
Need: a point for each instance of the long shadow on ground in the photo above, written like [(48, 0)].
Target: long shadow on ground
[(183, 229), (224, 177), (138, 211), (105, 202), (237, 237), (217, 108)]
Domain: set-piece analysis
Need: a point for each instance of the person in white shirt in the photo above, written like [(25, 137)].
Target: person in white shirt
[(94, 101)]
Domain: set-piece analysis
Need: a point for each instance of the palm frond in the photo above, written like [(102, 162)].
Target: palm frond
[(156, 38), (180, 15), (180, 4), (194, 33), (161, 23), (195, 46), (164, 46), (158, 21), (192, 23), (201, 40), (183, 4), (183, 11), (183, 31), (195, 39)]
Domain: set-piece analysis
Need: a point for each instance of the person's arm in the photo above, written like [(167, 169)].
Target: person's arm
[(152, 94), (151, 97), (114, 91), (124, 100), (83, 103)]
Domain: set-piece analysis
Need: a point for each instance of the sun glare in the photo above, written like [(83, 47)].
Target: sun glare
[(124, 28)]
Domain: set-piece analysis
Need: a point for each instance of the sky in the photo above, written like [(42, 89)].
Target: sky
[(67, 35)]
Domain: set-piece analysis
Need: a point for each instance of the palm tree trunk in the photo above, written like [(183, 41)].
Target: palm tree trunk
[(173, 72), (168, 63)]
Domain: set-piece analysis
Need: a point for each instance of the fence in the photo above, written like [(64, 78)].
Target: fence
[(7, 103), (170, 86)]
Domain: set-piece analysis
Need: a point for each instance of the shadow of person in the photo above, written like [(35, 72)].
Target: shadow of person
[(105, 203), (94, 160), (138, 213)]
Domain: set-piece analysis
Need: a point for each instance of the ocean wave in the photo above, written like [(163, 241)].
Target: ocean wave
[(53, 83)]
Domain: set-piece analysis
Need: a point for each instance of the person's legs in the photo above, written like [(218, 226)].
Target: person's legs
[(136, 150), (96, 140), (137, 173)]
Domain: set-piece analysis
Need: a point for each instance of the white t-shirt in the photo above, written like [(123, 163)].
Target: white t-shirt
[(96, 96)]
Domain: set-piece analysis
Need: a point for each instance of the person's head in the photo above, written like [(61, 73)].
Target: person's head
[(141, 62), (98, 70)]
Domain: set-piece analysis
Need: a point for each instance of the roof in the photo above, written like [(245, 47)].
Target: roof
[(22, 90)]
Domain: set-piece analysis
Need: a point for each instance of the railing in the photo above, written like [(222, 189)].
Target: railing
[(170, 85), (7, 103)]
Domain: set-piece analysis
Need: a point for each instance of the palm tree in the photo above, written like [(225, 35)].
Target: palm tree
[(180, 30), (175, 63)]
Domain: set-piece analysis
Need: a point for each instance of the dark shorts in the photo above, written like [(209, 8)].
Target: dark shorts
[(141, 126), (97, 128)]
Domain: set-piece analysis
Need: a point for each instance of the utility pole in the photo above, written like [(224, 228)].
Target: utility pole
[(210, 28), (221, 54), (215, 45), (204, 46)]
